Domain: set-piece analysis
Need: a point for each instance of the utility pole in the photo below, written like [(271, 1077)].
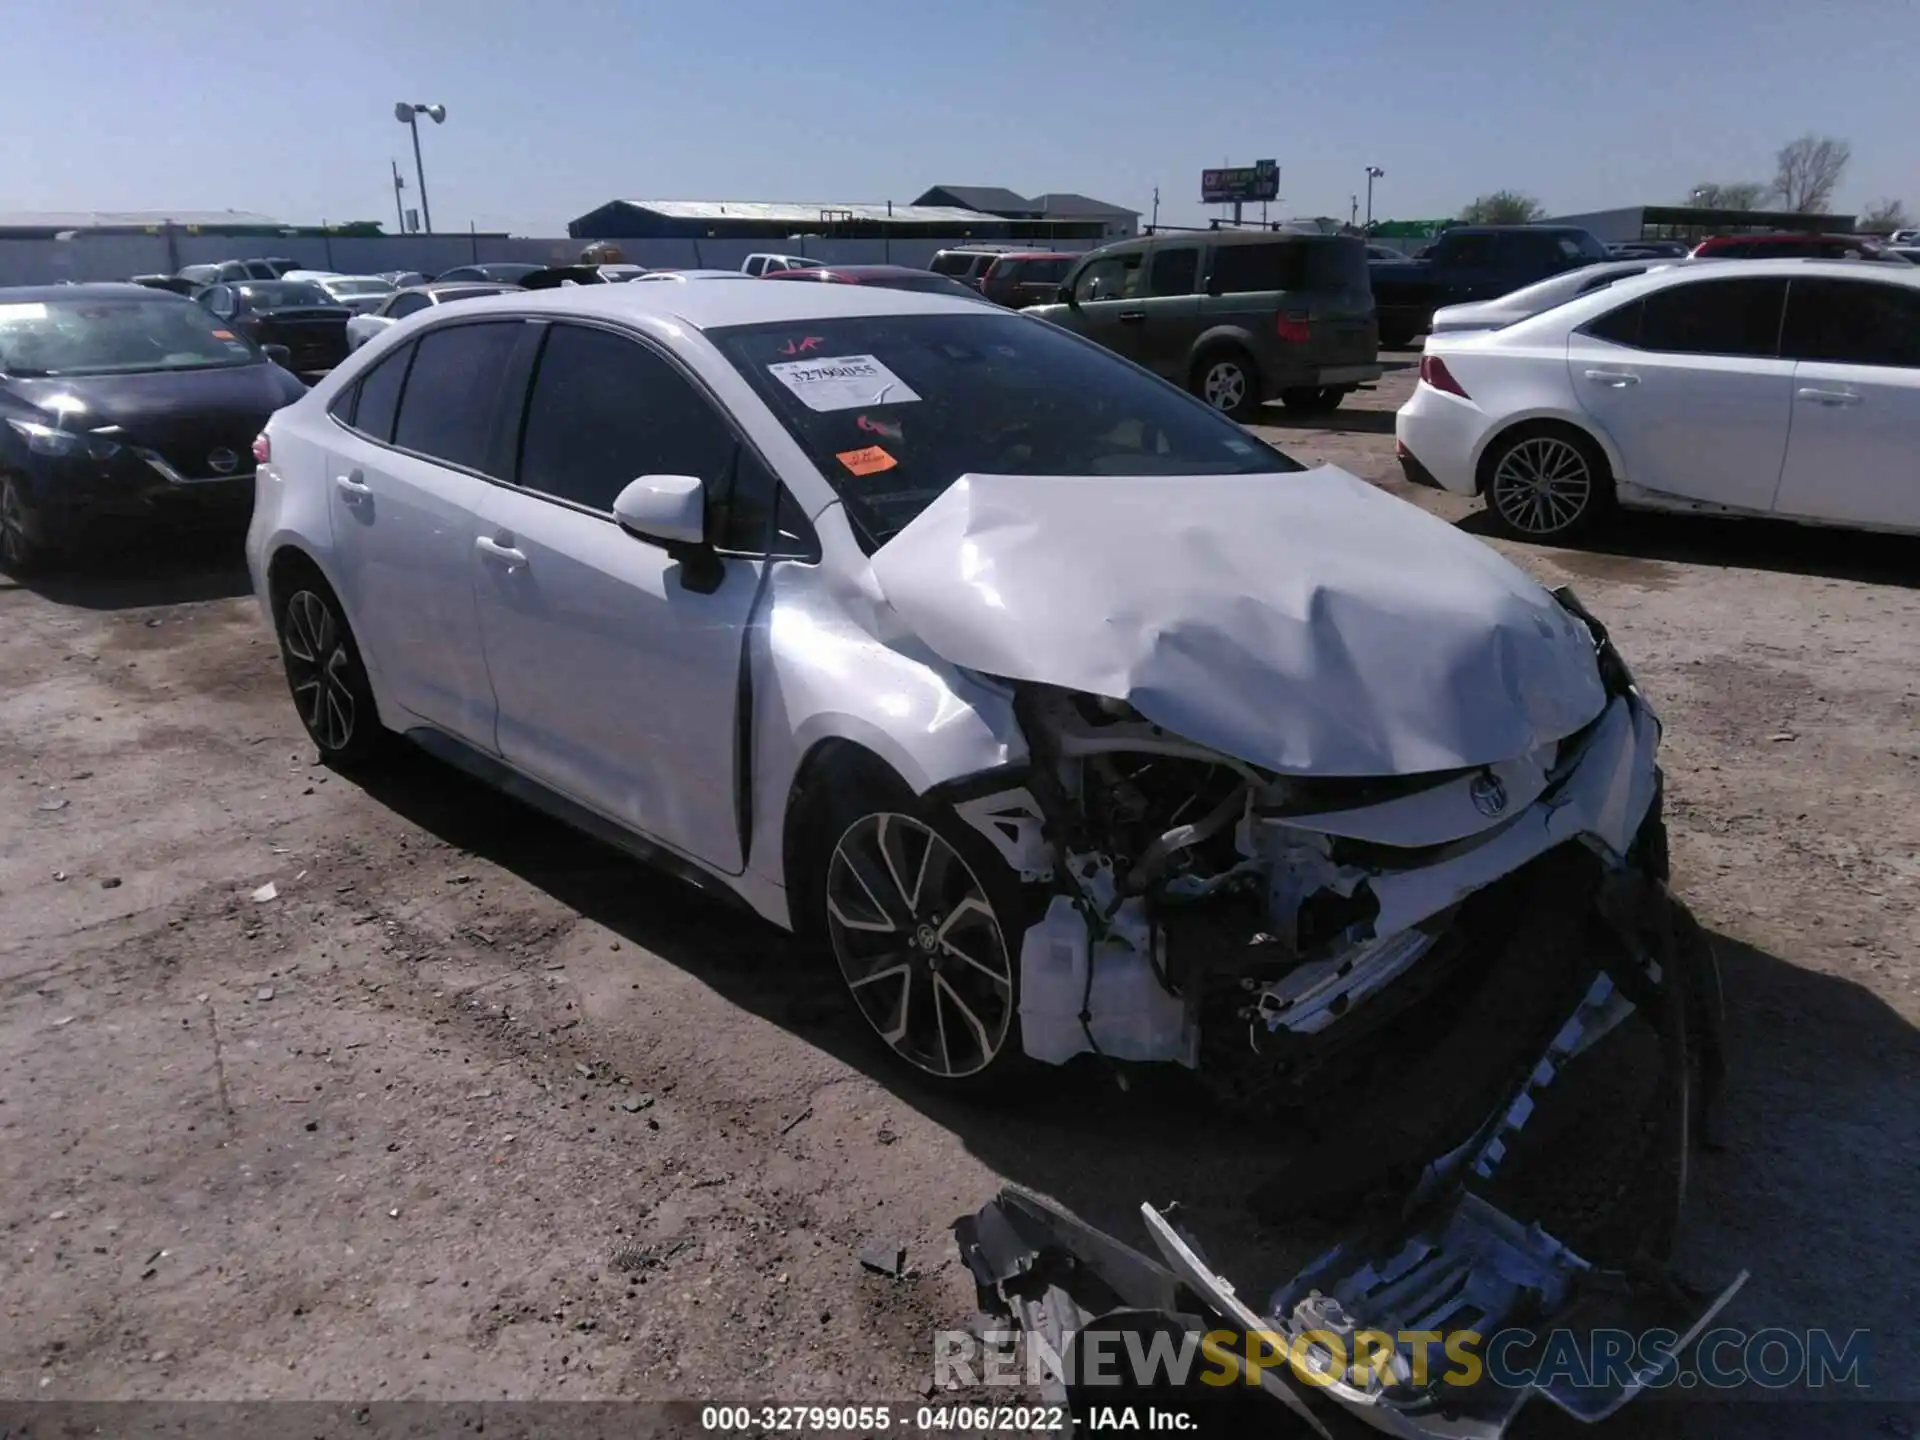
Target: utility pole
[(1374, 172), (1154, 224), (399, 213), (1353, 211)]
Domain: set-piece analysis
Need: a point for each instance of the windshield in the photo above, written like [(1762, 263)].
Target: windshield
[(356, 287), (274, 294), (895, 408), (99, 337)]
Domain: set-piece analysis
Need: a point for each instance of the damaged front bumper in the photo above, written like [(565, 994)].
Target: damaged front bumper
[(1429, 1318)]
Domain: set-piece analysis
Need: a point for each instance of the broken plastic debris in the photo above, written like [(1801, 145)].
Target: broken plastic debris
[(885, 1257), (265, 992), (266, 892), (53, 804)]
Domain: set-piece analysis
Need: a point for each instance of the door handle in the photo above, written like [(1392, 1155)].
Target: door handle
[(513, 559), (1131, 317), (353, 487), (1614, 379), (1827, 397)]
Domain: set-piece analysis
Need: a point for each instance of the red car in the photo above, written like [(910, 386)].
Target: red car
[(1794, 246), (1026, 277), (887, 277)]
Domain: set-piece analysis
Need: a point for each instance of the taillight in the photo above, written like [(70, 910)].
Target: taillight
[(262, 448), (1434, 372), (1295, 328)]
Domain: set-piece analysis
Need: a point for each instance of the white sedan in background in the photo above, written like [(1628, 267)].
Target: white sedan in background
[(402, 303), (1529, 300), (1786, 388), (359, 293)]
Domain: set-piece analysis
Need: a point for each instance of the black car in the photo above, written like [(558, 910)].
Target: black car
[(298, 314), (122, 402), (504, 272)]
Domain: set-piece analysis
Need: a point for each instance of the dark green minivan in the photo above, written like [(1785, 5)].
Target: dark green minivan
[(1239, 317)]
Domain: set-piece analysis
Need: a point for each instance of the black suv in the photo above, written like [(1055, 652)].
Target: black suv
[(1238, 317)]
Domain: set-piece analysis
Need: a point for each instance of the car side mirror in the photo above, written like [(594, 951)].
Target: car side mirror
[(1214, 287), (671, 511), (1064, 296), (278, 354)]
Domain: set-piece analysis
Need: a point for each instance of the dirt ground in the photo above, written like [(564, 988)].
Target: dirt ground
[(473, 1108)]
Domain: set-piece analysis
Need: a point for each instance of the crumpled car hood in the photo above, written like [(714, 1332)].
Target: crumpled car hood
[(1305, 622)]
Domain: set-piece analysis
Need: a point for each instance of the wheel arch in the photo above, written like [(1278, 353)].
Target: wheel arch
[(1224, 337), (287, 561), (1543, 420), (832, 759)]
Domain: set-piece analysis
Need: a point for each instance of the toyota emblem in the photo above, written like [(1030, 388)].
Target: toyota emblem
[(1489, 794), (224, 460)]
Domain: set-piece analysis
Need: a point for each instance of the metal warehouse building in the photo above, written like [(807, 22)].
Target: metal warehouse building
[(946, 212), (1693, 223)]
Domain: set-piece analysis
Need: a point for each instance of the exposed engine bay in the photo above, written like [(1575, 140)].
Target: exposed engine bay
[(1463, 939), (1260, 927)]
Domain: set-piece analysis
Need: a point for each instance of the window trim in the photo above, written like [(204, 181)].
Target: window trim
[(544, 326), (1860, 281), (510, 425), (1585, 329)]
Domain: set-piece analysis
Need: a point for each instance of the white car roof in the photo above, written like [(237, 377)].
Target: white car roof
[(1582, 308), (707, 307)]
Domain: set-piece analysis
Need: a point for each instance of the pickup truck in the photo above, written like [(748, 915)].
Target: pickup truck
[(1472, 262)]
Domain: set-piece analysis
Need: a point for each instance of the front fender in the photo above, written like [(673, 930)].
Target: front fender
[(822, 672)]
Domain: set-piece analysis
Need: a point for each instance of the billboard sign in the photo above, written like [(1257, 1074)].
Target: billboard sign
[(1258, 181)]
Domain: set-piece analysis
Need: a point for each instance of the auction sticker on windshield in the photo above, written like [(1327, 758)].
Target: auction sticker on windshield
[(868, 461), (842, 382)]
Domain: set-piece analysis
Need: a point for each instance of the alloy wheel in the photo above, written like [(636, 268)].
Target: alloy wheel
[(319, 664), (919, 945), (1224, 386), (1542, 486)]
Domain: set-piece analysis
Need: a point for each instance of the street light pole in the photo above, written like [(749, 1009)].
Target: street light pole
[(1374, 172), (409, 115)]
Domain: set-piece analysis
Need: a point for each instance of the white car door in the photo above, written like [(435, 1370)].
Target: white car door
[(618, 666), (407, 487), (1853, 456), (1688, 383)]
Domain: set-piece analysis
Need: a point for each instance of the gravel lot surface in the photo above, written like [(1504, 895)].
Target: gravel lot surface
[(474, 1108)]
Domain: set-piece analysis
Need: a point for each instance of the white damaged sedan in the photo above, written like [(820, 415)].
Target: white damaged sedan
[(1071, 717), (1074, 717)]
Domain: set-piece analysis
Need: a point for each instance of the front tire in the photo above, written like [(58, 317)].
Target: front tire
[(22, 552), (1226, 379), (326, 676), (924, 920), (1545, 483)]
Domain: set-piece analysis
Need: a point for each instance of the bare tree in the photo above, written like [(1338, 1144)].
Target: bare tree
[(1739, 195), (1884, 216), (1809, 172), (1503, 207)]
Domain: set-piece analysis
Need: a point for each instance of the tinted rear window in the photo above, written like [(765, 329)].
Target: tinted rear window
[(453, 392), (1051, 272), (948, 262), (1335, 263)]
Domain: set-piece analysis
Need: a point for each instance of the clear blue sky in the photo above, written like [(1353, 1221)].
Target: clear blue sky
[(557, 106)]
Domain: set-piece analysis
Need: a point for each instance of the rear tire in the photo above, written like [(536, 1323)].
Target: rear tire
[(325, 674), (1545, 483), (1228, 380), (924, 921), (1313, 399)]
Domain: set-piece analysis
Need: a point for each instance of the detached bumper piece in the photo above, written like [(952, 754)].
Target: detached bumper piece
[(1432, 1318)]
